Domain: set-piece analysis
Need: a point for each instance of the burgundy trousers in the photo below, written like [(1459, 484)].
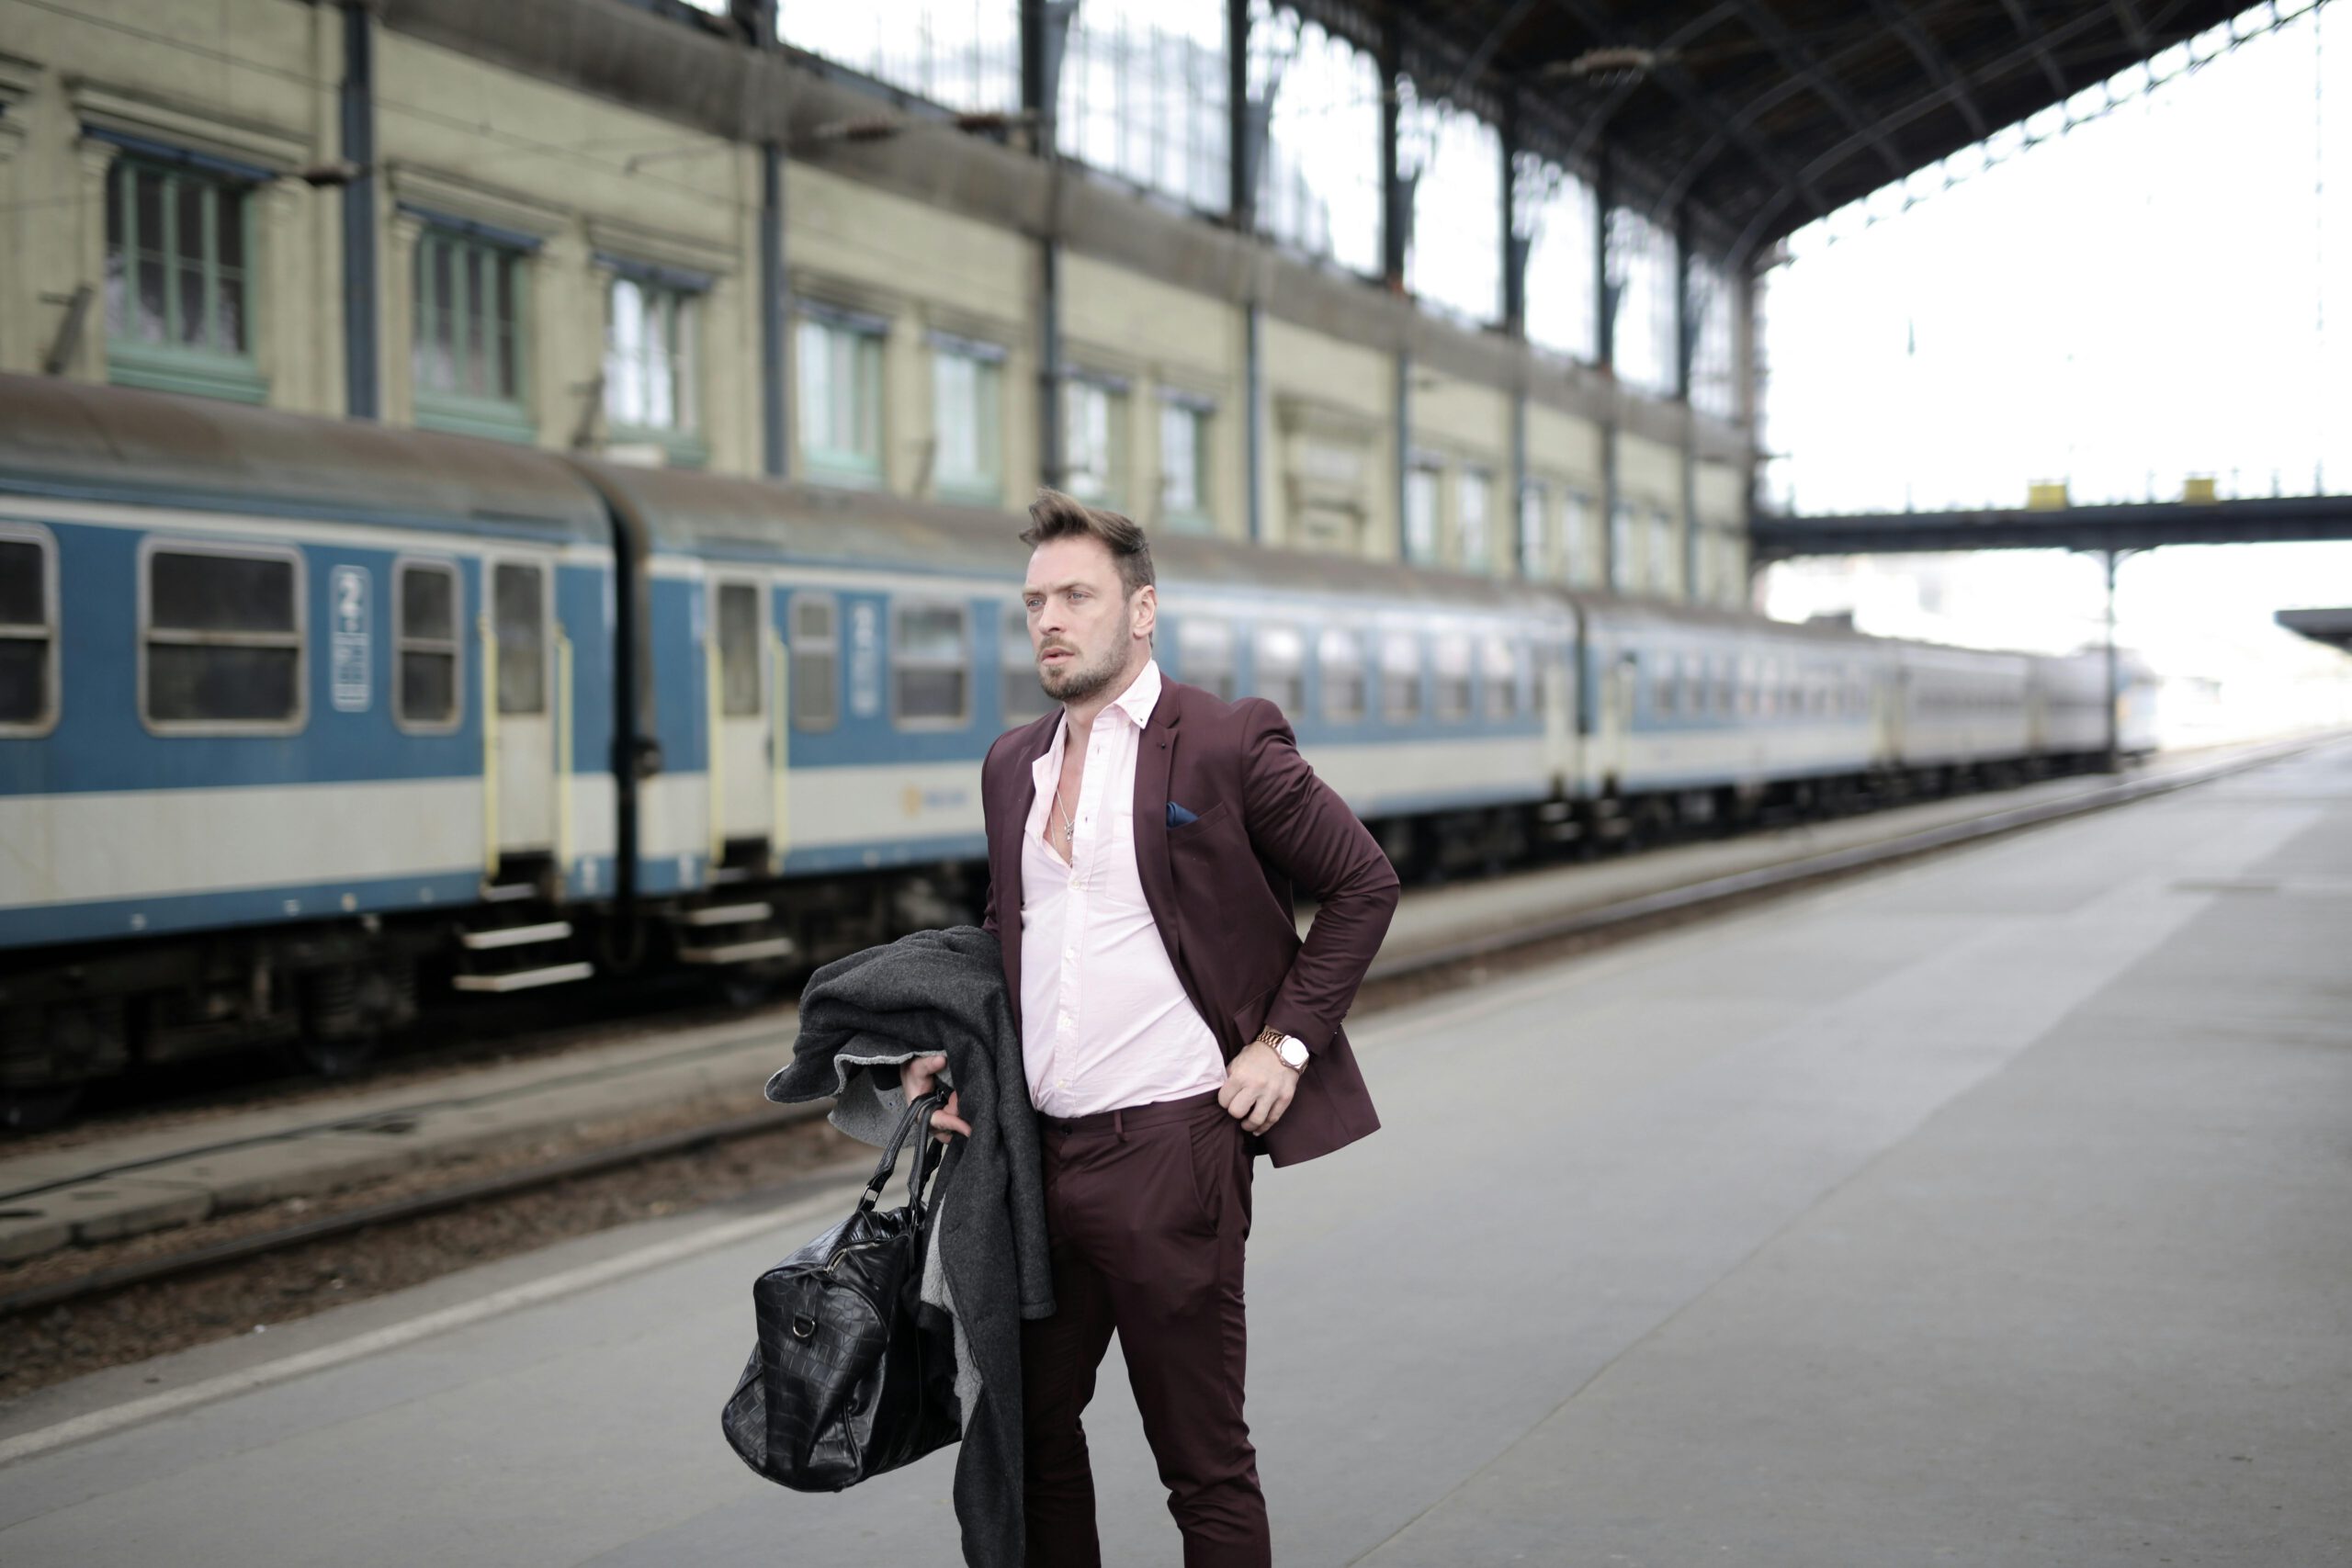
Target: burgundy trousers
[(1148, 1208)]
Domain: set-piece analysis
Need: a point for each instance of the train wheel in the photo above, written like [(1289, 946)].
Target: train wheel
[(24, 1110), (348, 1009)]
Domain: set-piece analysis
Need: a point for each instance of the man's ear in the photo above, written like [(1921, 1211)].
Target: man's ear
[(1144, 613)]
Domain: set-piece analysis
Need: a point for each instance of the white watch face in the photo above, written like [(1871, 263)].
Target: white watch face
[(1291, 1051)]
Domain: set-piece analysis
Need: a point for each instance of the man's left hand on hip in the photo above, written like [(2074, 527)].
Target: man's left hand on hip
[(1258, 1086)]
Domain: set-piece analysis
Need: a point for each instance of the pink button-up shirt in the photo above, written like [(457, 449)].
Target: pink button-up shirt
[(1104, 1023)]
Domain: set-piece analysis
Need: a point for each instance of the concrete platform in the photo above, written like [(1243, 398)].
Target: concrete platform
[(171, 1175), (1989, 1212)]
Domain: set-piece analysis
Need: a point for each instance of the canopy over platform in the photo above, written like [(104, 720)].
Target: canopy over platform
[(1759, 116)]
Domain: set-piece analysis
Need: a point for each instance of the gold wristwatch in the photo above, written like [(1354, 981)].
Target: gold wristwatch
[(1289, 1047)]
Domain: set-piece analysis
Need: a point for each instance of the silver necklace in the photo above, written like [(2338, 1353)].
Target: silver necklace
[(1069, 829)]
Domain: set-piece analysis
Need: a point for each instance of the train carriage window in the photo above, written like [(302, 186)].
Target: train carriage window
[(1281, 667), (1505, 668), (1726, 686), (1451, 655), (1666, 684), (224, 638), (1023, 698), (424, 614), (1400, 678), (739, 650), (816, 663), (519, 622), (931, 666), (28, 634), (1340, 655), (1204, 655)]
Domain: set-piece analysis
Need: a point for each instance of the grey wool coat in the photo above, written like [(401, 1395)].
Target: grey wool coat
[(861, 1018)]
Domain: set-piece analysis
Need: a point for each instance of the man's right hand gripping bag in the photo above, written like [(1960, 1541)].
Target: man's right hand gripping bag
[(846, 1380)]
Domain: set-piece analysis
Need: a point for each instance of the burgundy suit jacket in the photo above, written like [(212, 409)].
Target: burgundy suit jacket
[(1219, 889)]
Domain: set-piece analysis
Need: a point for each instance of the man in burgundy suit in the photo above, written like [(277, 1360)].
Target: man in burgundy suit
[(1143, 841)]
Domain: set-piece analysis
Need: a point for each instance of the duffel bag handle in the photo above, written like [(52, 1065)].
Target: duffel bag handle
[(918, 1115)]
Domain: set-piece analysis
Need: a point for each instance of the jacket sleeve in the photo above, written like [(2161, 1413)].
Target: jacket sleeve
[(988, 836), (1300, 824)]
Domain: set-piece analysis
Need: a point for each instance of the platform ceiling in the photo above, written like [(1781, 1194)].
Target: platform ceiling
[(1767, 113)]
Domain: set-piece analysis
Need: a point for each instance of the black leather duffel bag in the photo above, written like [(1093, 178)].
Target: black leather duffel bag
[(848, 1380)]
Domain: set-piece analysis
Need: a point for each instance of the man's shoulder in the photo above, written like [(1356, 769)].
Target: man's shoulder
[(1022, 741), (1206, 715)]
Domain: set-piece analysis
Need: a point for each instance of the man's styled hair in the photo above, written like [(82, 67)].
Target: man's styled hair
[(1054, 515)]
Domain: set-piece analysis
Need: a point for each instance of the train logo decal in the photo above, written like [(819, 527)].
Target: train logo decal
[(347, 652)]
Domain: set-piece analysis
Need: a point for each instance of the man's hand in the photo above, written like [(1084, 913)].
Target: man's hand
[(918, 1076), (1258, 1086)]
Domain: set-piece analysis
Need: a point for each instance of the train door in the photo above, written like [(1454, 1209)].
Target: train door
[(1617, 717), (1888, 693), (519, 640), (740, 692), (1556, 682)]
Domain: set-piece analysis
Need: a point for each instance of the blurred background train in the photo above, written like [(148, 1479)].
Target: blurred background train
[(301, 720)]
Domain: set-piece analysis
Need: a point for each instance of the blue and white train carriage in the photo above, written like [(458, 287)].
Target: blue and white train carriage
[(297, 716), (280, 698)]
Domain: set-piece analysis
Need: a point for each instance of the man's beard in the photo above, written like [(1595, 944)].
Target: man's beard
[(1076, 682)]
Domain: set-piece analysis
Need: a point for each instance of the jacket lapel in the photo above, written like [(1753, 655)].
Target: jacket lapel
[(1017, 795), (1153, 763)]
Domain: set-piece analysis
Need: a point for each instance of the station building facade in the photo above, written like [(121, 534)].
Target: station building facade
[(616, 226)]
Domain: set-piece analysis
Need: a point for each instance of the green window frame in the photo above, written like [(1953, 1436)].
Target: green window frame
[(653, 365), (1095, 439), (838, 383), (1184, 463), (469, 346), (967, 422), (179, 281)]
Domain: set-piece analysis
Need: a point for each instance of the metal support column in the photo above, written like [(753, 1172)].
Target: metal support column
[(1686, 334), (774, 450), (1604, 349), (1245, 129), (1396, 203), (1515, 249), (362, 381), (2114, 759), (1044, 28)]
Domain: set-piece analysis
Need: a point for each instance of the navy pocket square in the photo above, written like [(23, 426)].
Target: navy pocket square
[(1178, 816)]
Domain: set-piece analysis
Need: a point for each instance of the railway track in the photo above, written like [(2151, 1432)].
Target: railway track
[(1393, 979)]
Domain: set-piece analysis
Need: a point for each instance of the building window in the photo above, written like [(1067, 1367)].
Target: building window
[(816, 663), (1662, 564), (1319, 184), (1556, 217), (967, 422), (1576, 538), (1143, 92), (223, 640), (469, 347), (1621, 546), (962, 55), (931, 666), (1094, 444), (738, 620), (518, 595), (1400, 678), (652, 360), (424, 612), (1420, 515), (178, 282), (1534, 534), (1205, 656), (1505, 666), (1022, 695), (1454, 257), (1450, 656), (1281, 667), (1341, 655), (28, 633), (1183, 463), (1475, 533), (839, 363)]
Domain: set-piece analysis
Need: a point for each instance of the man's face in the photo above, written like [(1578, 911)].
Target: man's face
[(1082, 628)]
